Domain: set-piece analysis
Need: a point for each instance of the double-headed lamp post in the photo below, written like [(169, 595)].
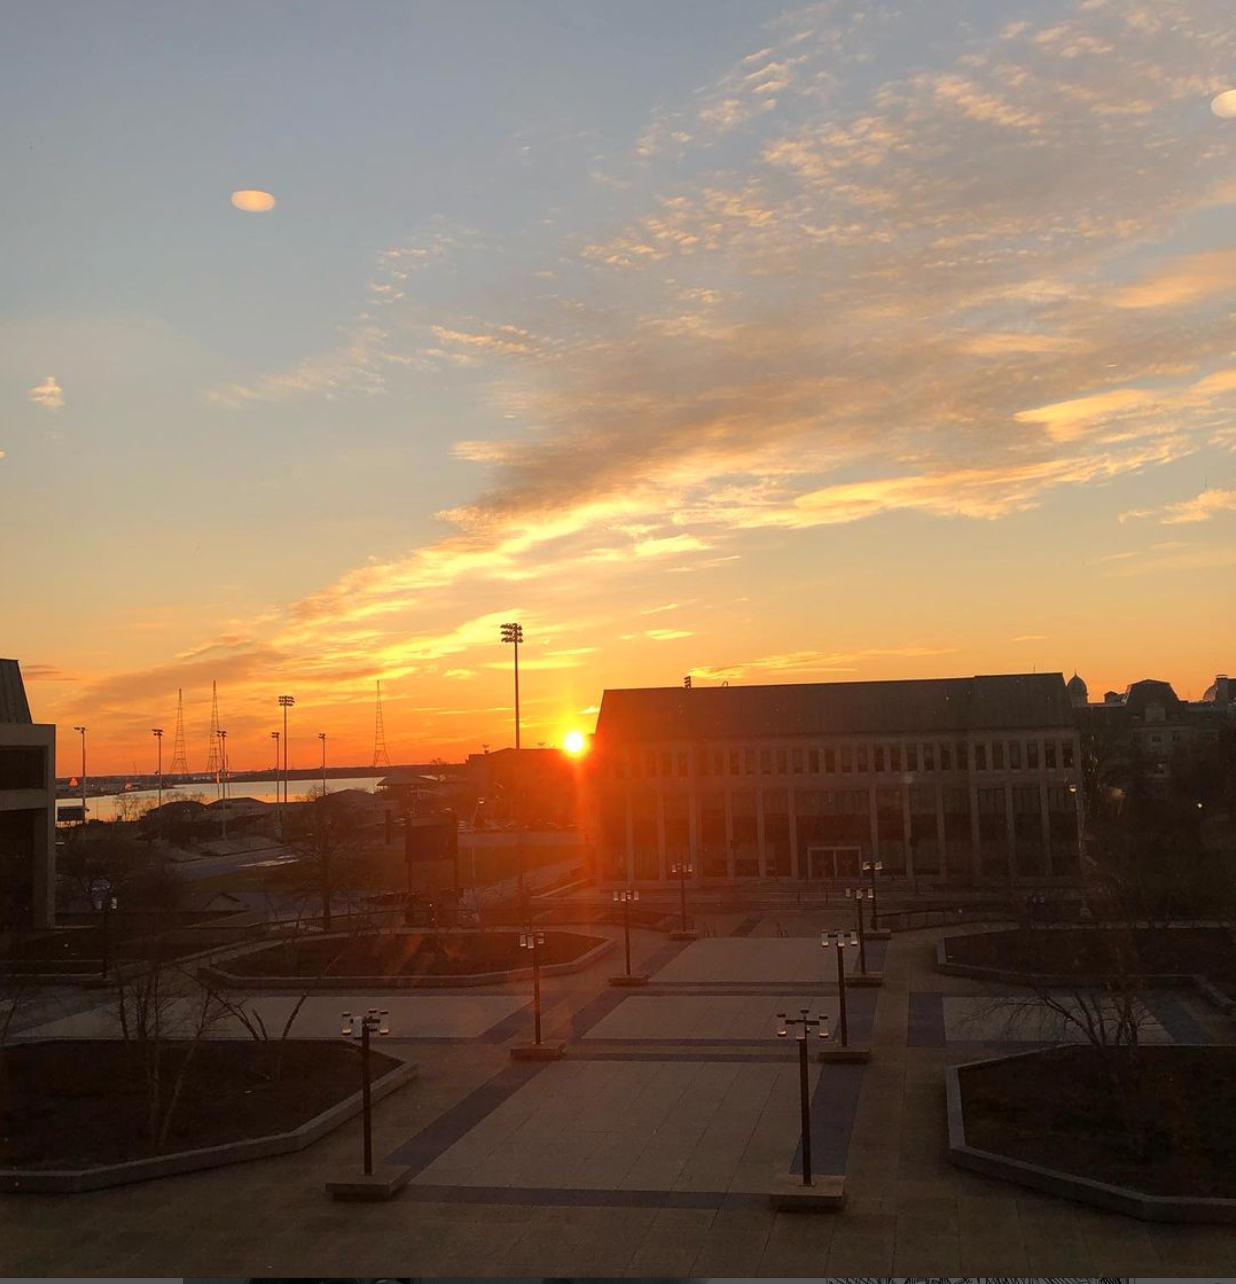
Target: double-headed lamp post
[(285, 703), (274, 735), (804, 1022), (624, 897), (157, 732), (514, 634), (322, 738), (223, 776), (363, 1025), (873, 867), (82, 732), (839, 940), (532, 940), (104, 902), (860, 894), (682, 871)]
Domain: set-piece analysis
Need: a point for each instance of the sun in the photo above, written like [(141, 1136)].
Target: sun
[(574, 742)]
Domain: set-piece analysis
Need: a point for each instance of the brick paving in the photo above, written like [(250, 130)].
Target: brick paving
[(644, 1152)]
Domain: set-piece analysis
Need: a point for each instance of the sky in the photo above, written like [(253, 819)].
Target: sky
[(823, 342)]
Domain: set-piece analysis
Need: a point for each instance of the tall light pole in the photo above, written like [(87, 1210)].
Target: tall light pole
[(285, 702), (322, 738), (805, 1021), (363, 1025), (157, 732), (223, 775), (827, 940), (274, 735), (514, 633), (82, 731)]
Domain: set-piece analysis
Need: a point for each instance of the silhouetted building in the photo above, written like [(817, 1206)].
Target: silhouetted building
[(27, 809), (541, 785), (950, 777)]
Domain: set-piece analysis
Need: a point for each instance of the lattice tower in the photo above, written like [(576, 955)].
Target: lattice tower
[(180, 763), (380, 757), (213, 760)]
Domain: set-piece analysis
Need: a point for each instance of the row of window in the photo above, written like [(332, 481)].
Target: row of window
[(995, 755)]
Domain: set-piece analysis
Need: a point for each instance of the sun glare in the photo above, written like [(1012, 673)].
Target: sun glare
[(574, 742)]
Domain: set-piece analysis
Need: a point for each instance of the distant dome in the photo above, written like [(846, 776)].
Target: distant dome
[(1078, 693)]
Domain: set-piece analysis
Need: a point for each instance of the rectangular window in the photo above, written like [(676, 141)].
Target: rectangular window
[(1032, 755), (963, 755), (667, 764), (1049, 754), (1066, 753), (682, 762), (781, 767), (766, 762), (813, 762), (796, 760), (1015, 755), (911, 757), (861, 755), (879, 758), (830, 761), (748, 762), (733, 762), (929, 757), (997, 755), (846, 760), (718, 762), (980, 757), (894, 758), (946, 758), (701, 762)]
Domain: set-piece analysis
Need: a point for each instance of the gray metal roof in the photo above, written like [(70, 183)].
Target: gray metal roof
[(948, 705), (14, 706)]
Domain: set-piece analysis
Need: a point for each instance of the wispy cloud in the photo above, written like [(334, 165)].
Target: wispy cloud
[(1201, 508), (48, 393)]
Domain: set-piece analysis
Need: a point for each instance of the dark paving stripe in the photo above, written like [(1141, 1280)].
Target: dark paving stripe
[(602, 1054), (747, 926), (925, 1027), (510, 1026), (583, 1198), (1169, 1013), (834, 1103), (462, 1117)]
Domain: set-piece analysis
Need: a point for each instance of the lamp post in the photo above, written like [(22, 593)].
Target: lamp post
[(104, 902), (805, 1021), (532, 940), (838, 939), (274, 735), (223, 777), (514, 634), (371, 1022), (82, 731), (873, 867), (860, 894), (624, 898), (322, 738), (157, 732), (681, 871), (285, 703)]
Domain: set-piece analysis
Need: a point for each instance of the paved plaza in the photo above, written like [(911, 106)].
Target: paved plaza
[(648, 1149)]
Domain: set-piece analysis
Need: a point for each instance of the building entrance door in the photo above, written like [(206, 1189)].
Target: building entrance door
[(832, 863)]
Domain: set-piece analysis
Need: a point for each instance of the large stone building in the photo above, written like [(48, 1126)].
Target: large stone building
[(946, 777), (27, 809)]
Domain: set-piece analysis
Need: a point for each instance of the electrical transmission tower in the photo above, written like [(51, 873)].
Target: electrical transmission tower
[(380, 757), (180, 764), (213, 762)]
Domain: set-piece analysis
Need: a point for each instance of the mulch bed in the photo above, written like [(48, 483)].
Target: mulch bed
[(409, 954), (1208, 951), (1057, 1109), (81, 1103)]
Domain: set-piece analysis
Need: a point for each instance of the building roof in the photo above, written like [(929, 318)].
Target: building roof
[(14, 707), (836, 708)]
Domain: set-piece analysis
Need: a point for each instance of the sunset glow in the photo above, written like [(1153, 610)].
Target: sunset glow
[(574, 743), (785, 346)]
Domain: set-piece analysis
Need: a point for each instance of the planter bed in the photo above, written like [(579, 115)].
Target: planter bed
[(409, 959), (75, 1111), (1201, 956), (1048, 1119)]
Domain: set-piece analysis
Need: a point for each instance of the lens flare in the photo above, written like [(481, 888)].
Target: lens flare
[(253, 202), (1224, 104)]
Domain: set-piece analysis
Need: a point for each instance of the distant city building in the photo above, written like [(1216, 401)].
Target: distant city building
[(27, 809), (947, 777)]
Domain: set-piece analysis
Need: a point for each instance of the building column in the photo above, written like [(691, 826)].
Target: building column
[(693, 835), (1045, 822), (630, 860), (1010, 826), (792, 812), (976, 842), (940, 843), (662, 872), (759, 832), (905, 827), (729, 838), (874, 812)]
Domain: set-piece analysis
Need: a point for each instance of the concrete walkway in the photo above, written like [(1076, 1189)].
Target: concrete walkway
[(644, 1153)]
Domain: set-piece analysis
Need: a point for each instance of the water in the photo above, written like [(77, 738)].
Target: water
[(112, 806)]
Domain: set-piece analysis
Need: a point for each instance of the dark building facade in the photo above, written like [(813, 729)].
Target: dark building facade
[(946, 777), (27, 809)]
